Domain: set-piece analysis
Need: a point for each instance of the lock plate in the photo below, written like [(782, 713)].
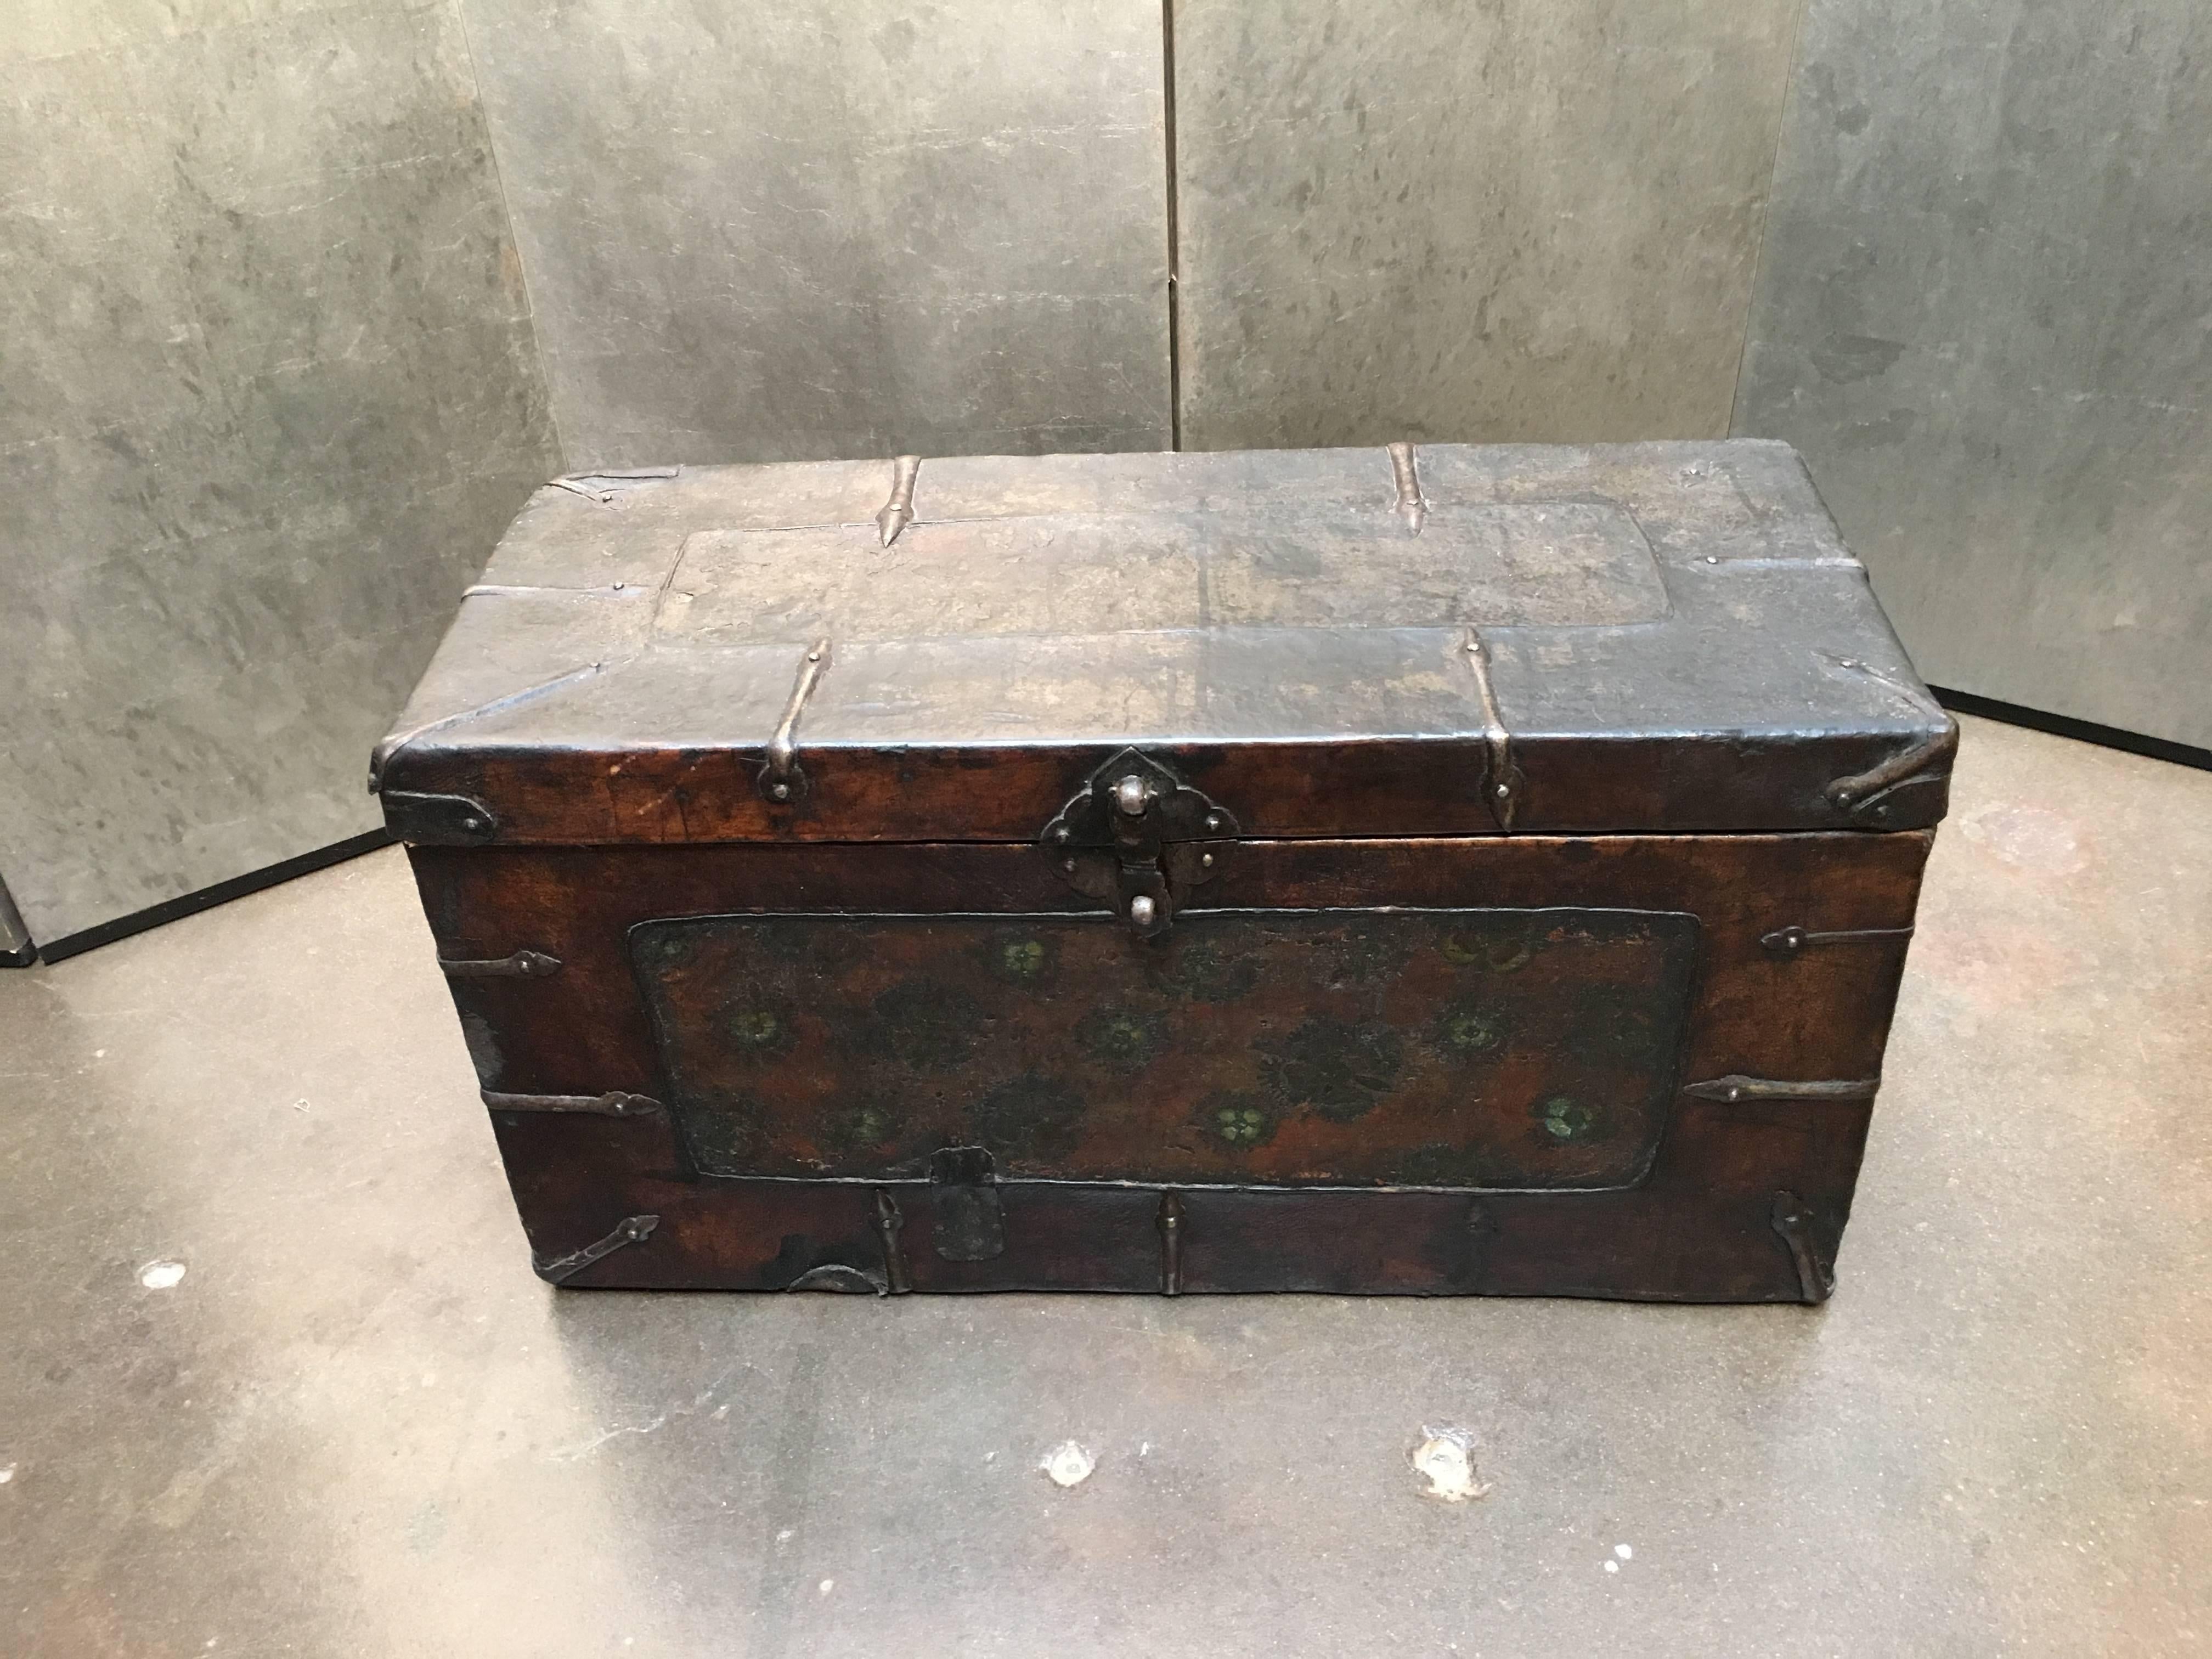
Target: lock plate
[(1138, 837)]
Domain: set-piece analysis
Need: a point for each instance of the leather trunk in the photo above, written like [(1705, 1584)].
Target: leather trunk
[(1439, 871)]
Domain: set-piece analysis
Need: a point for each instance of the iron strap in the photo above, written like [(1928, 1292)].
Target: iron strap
[(1737, 1087), (1503, 784), (523, 965), (1789, 941), (781, 779), (614, 1103)]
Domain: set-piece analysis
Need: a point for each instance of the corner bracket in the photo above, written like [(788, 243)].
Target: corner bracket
[(439, 820), (1893, 793), (557, 1270), (1792, 1220)]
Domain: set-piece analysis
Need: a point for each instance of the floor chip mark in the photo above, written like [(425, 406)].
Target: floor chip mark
[(1445, 1458), (1068, 1464)]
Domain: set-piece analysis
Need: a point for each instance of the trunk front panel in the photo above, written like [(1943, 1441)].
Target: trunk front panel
[(1582, 1066), (1467, 1048)]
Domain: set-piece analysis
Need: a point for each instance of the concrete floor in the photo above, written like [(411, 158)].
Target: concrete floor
[(358, 1425)]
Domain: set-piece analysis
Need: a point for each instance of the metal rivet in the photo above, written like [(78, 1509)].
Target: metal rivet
[(1141, 910), (1060, 835), (1735, 1094), (1206, 860), (1067, 864), (1711, 559), (781, 791), (1129, 796), (1213, 820), (471, 823), (1503, 790), (814, 656)]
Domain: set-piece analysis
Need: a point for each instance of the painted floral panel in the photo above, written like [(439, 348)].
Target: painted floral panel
[(1462, 1048)]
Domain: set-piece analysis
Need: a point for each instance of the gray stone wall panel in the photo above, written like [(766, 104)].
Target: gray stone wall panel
[(271, 399), (1984, 315), (1509, 222), (832, 228)]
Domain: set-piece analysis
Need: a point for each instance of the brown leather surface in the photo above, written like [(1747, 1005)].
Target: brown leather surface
[(1699, 1226), (1673, 638)]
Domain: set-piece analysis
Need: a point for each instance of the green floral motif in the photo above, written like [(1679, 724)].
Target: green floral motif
[(1243, 1121), (1470, 1028), (1121, 1036), (1568, 1120), (1242, 1125), (753, 1023), (1499, 956), (1019, 959), (753, 1028), (870, 1124), (929, 1027), (1338, 1069)]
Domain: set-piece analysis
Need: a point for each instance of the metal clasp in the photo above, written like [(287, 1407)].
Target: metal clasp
[(1139, 837), (964, 1195)]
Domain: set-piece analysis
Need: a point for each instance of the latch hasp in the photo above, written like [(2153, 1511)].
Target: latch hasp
[(1127, 835)]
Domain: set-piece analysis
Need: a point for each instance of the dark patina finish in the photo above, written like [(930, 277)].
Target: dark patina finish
[(1437, 870), (1353, 1046)]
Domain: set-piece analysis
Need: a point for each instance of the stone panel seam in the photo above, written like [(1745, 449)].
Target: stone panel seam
[(1174, 225), (513, 239)]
